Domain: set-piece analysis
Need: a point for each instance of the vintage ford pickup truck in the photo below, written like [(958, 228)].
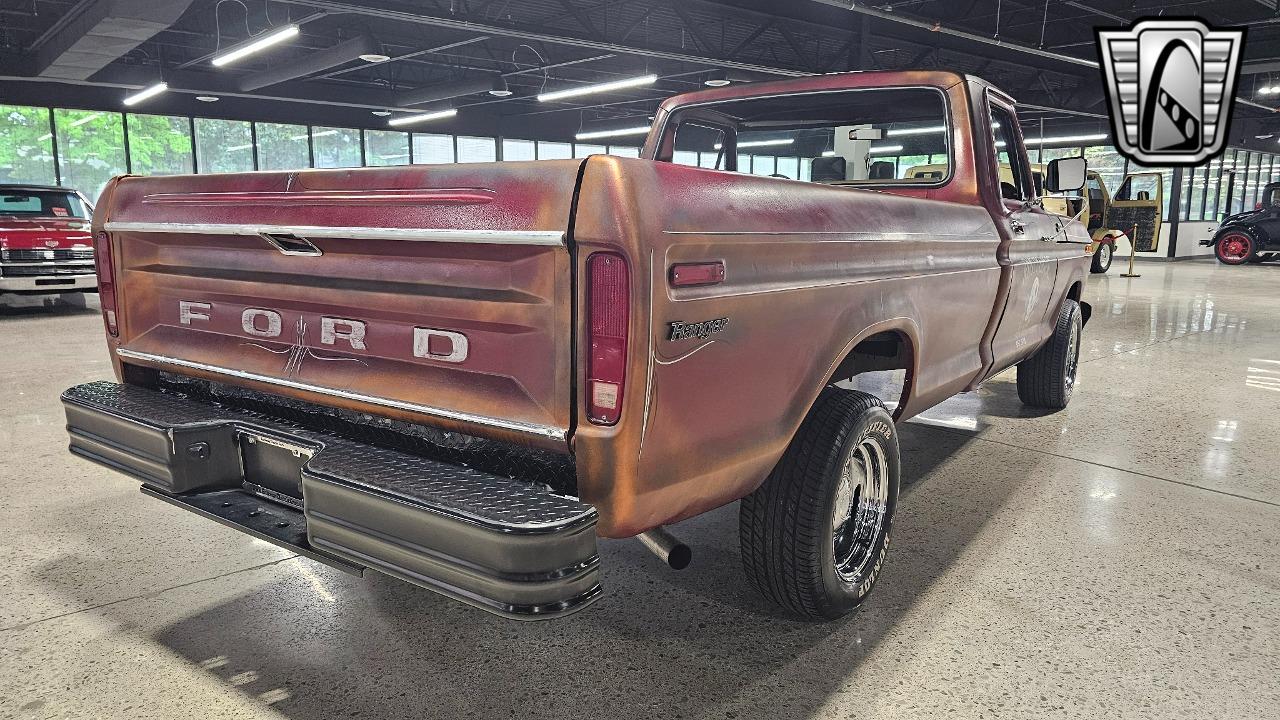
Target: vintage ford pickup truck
[(463, 375)]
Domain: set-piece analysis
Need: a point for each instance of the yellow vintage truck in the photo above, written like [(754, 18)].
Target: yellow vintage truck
[(1109, 219)]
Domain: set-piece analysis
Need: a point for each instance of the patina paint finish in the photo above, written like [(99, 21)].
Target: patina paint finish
[(810, 271)]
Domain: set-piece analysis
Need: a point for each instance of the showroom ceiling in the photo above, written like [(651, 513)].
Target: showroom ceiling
[(1038, 51)]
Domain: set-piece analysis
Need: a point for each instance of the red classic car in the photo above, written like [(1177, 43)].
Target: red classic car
[(45, 243)]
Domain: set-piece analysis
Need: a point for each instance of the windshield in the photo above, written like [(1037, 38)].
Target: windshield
[(42, 203), (848, 137)]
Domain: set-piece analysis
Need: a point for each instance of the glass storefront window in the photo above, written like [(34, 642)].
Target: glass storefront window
[(1054, 153), (335, 147), (159, 144), (386, 147), (477, 149), (26, 145), (519, 150), (1110, 165), (554, 150), (432, 149), (282, 147), (580, 150), (764, 165), (789, 166), (1251, 185), (1195, 192), (223, 146), (1238, 181), (624, 151), (90, 149), (685, 157)]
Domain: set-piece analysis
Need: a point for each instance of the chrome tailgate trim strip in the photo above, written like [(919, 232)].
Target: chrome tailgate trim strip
[(494, 237), (529, 428)]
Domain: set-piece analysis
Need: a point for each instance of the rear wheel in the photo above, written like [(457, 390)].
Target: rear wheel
[(1048, 378), (1235, 247), (1102, 257), (815, 534)]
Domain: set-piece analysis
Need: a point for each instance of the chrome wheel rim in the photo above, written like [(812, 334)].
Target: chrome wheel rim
[(1104, 255), (862, 502), (1073, 353)]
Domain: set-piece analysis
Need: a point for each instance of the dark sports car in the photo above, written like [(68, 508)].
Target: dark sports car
[(1251, 236)]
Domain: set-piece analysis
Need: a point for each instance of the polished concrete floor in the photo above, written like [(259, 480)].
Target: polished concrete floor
[(1117, 559)]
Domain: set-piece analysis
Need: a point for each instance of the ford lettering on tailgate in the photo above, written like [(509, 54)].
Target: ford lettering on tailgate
[(349, 334)]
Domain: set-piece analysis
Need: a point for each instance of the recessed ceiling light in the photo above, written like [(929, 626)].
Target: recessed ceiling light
[(499, 88), (382, 113), (375, 57), (716, 78), (206, 98)]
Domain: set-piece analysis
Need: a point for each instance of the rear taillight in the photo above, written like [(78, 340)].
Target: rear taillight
[(106, 282), (608, 306)]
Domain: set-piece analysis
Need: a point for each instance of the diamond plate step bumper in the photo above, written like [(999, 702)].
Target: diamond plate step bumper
[(506, 546)]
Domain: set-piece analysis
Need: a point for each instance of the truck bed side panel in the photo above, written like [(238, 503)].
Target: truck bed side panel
[(810, 270)]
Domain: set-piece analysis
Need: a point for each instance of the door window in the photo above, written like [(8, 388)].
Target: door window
[(1013, 174)]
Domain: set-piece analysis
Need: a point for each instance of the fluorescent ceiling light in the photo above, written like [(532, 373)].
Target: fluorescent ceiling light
[(595, 134), (1066, 138), (422, 117), (207, 98), (374, 57), (150, 92), (602, 87), (260, 43), (85, 119), (885, 149), (828, 153), (382, 113), (760, 143)]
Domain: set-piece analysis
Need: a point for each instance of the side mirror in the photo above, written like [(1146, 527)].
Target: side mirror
[(1066, 174)]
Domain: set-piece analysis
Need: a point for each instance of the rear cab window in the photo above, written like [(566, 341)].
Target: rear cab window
[(859, 138), (42, 203)]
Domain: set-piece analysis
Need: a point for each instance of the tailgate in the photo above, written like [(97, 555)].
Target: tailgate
[(434, 294)]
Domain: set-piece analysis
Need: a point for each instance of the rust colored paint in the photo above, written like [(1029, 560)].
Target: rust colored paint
[(810, 271)]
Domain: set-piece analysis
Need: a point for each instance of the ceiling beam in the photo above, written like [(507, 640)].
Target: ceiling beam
[(901, 19), (335, 6), (312, 63)]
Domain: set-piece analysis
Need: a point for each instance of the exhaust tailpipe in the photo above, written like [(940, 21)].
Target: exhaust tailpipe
[(670, 550)]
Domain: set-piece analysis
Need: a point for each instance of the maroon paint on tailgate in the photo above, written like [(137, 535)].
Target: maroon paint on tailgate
[(510, 301)]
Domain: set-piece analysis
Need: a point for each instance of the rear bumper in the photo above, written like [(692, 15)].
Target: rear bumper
[(49, 283), (505, 546)]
